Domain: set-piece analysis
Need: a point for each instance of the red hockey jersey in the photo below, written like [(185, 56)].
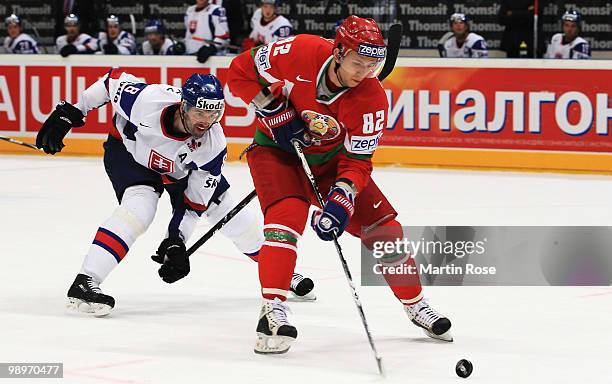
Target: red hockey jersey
[(348, 123)]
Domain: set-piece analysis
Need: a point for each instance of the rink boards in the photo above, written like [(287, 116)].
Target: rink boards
[(495, 113)]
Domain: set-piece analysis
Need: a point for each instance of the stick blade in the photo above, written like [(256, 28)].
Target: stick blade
[(381, 367), (394, 40)]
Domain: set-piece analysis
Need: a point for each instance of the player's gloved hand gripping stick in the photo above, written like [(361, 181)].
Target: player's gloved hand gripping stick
[(50, 138), (332, 219), (281, 119), (169, 272)]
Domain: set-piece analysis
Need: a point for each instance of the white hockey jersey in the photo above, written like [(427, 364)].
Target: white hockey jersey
[(209, 24), (166, 48), (277, 29), (125, 42), (140, 122), (474, 46), (84, 43), (577, 49), (22, 44)]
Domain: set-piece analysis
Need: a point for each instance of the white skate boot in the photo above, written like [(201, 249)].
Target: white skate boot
[(302, 288), (433, 323), (274, 332)]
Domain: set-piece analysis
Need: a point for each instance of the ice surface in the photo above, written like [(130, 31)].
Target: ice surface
[(201, 329)]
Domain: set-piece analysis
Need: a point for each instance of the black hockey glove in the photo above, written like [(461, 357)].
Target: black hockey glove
[(205, 52), (110, 49), (68, 49), (178, 48), (62, 119), (172, 255)]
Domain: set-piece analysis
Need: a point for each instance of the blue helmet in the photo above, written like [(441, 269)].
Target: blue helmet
[(572, 15), (155, 26), (203, 92)]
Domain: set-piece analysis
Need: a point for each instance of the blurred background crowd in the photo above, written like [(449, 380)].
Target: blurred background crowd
[(204, 28)]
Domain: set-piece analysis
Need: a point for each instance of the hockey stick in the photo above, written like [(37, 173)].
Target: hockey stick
[(133, 24), (347, 272), (32, 146), (394, 41), (221, 223), (535, 29)]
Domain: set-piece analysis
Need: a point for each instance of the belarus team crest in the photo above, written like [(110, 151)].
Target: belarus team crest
[(321, 127)]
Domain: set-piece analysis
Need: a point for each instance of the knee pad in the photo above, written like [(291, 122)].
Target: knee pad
[(245, 230), (137, 208)]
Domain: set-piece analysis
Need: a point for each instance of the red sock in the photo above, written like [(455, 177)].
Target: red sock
[(284, 223)]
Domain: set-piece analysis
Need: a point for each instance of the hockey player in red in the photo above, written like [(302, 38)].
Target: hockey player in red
[(325, 95)]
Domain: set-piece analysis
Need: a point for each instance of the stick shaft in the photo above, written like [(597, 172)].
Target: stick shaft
[(24, 144), (221, 223), (347, 271)]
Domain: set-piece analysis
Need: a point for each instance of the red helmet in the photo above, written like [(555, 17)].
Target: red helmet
[(362, 36)]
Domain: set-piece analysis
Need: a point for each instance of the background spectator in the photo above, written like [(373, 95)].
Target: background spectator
[(569, 45), (207, 31), (17, 41), (460, 42), (115, 41), (268, 25), (74, 41), (157, 43)]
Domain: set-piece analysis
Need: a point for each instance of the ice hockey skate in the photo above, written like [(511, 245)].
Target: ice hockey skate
[(85, 296), (433, 323), (274, 332), (302, 288)]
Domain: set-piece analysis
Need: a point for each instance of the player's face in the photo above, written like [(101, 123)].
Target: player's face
[(113, 30), (268, 11), (13, 30), (354, 68), (72, 30), (155, 39), (201, 3), (570, 29), (198, 121), (459, 28)]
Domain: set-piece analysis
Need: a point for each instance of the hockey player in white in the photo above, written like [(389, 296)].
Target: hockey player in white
[(115, 41), (163, 138), (17, 41), (74, 41), (157, 43), (460, 42), (268, 26), (207, 32), (569, 45)]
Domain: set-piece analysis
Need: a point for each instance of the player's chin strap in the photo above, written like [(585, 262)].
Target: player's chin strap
[(337, 66), (182, 117)]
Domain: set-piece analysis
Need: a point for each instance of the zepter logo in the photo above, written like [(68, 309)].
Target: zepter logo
[(321, 127), (372, 51)]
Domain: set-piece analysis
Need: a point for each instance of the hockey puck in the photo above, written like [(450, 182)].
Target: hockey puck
[(464, 368)]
